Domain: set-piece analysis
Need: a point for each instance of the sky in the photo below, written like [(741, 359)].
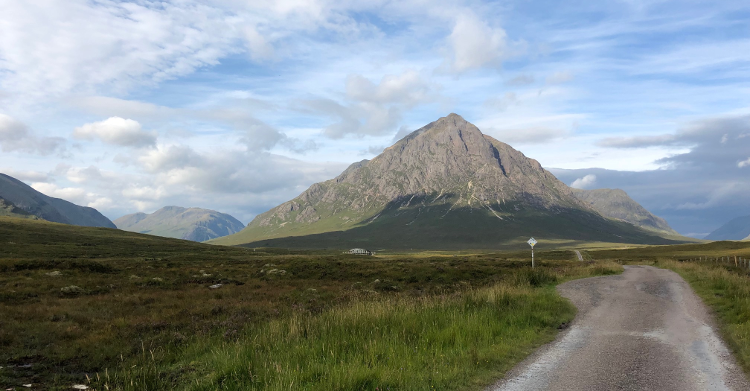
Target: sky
[(239, 106)]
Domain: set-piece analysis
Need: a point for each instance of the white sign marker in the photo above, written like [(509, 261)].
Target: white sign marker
[(531, 243)]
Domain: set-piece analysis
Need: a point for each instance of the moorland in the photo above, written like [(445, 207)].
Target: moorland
[(116, 310)]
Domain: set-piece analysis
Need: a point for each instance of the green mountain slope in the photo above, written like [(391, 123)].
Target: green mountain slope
[(194, 224), (7, 209), (443, 186), (735, 229), (617, 204), (24, 197)]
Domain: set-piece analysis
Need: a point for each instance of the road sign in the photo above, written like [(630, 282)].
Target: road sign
[(531, 243)]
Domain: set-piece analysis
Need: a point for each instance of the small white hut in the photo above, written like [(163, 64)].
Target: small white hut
[(360, 251)]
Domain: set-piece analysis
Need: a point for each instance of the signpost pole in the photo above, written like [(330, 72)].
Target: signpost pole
[(531, 243)]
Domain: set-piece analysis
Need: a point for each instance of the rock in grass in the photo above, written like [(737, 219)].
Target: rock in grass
[(80, 387), (71, 290), (55, 273), (216, 286)]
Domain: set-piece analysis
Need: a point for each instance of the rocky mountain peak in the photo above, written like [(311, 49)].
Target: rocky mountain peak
[(439, 172)]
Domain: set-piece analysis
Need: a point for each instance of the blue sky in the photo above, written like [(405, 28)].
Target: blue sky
[(241, 105)]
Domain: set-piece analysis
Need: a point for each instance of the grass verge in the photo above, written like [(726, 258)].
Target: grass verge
[(460, 341)]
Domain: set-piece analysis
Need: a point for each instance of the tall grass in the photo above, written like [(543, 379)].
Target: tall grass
[(726, 289), (447, 342)]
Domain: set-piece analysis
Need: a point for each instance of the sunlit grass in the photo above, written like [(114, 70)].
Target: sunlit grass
[(464, 340)]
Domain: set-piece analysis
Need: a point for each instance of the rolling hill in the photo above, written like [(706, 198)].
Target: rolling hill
[(444, 186), (25, 198), (194, 224)]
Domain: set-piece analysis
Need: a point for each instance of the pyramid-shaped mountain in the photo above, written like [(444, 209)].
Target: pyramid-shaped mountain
[(444, 186)]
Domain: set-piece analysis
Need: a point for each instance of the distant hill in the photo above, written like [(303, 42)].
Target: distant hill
[(24, 197), (444, 186), (194, 224), (616, 204), (735, 229)]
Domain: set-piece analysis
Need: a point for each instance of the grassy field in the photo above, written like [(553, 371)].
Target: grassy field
[(119, 310), (115, 310)]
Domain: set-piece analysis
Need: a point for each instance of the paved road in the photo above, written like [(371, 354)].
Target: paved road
[(578, 253), (642, 330)]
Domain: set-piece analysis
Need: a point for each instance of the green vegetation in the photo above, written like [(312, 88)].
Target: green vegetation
[(432, 227), (7, 209), (120, 310)]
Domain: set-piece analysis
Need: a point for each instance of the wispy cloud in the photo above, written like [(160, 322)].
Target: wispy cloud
[(225, 97)]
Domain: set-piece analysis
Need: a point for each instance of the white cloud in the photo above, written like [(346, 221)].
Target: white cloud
[(86, 175), (408, 89), (374, 109), (529, 135), (11, 129), (502, 103), (168, 158), (117, 131), (258, 46), (560, 77), (638, 141), (16, 136), (75, 195), (584, 183), (475, 44), (520, 80), (101, 203), (114, 107), (744, 163), (721, 195), (50, 47), (33, 176)]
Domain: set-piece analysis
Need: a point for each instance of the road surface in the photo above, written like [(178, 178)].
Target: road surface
[(578, 254), (642, 330)]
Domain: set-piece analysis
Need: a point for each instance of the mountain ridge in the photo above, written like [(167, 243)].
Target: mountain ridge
[(196, 224), (48, 208), (735, 229), (617, 204), (438, 178)]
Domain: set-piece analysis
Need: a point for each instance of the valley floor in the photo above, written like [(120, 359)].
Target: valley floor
[(122, 311)]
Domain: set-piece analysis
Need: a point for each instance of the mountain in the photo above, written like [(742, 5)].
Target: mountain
[(616, 204), (735, 229), (194, 224), (24, 197), (444, 186)]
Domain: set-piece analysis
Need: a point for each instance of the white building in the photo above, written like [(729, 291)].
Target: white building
[(360, 251)]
